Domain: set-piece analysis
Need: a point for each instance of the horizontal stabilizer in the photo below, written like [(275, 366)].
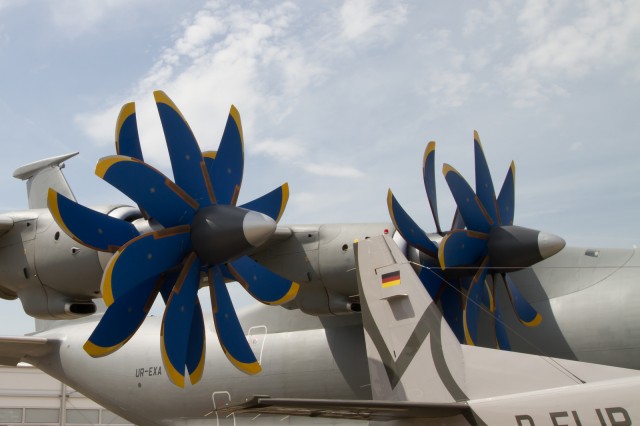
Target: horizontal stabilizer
[(15, 349), (345, 408), (42, 175), (6, 223)]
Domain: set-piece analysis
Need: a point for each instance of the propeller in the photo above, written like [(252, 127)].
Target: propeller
[(196, 231), (483, 243)]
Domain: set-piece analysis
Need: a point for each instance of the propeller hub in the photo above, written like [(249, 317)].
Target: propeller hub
[(221, 233), (549, 244), (515, 247), (257, 228)]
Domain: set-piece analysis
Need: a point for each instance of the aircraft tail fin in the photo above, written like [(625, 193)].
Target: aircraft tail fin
[(42, 175), (413, 354)]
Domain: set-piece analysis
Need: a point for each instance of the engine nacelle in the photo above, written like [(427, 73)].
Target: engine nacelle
[(45, 303), (53, 275), (321, 259)]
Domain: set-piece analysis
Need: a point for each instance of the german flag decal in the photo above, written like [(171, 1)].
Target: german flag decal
[(390, 279)]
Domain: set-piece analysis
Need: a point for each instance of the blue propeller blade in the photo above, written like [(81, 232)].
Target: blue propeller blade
[(197, 348), (150, 189), (429, 178), (226, 171), (526, 314), (122, 319), (272, 204), (475, 216), (458, 221), (232, 338), (507, 197), (127, 138), (452, 310), (502, 338), (409, 230), (462, 248), (89, 227), (487, 296), (431, 281), (189, 169), (484, 184), (176, 322), (472, 303), (168, 279), (261, 283), (142, 258)]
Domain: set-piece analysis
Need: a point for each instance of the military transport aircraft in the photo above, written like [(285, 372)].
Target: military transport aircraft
[(497, 284), (407, 368)]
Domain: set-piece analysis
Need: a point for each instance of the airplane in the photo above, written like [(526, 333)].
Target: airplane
[(401, 365), (498, 285)]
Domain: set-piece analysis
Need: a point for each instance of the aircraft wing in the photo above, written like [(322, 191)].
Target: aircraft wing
[(15, 349), (346, 409), (6, 223)]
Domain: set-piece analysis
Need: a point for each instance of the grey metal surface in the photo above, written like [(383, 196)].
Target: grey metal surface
[(42, 175)]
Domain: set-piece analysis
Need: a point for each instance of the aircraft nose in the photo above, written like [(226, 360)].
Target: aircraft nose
[(549, 244), (257, 228)]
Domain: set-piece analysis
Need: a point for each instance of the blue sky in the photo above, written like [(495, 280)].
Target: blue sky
[(339, 98)]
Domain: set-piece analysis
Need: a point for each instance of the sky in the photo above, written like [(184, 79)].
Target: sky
[(339, 98)]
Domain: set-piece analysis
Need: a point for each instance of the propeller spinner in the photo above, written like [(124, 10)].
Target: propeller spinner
[(482, 241), (203, 233)]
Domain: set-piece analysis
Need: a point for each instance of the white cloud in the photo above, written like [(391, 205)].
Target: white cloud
[(293, 153), (285, 150), (365, 20), (222, 55), (448, 88), (476, 19), (563, 42), (333, 170), (5, 4), (75, 17)]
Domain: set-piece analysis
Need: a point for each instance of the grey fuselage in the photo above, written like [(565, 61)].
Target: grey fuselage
[(301, 356), (589, 298)]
